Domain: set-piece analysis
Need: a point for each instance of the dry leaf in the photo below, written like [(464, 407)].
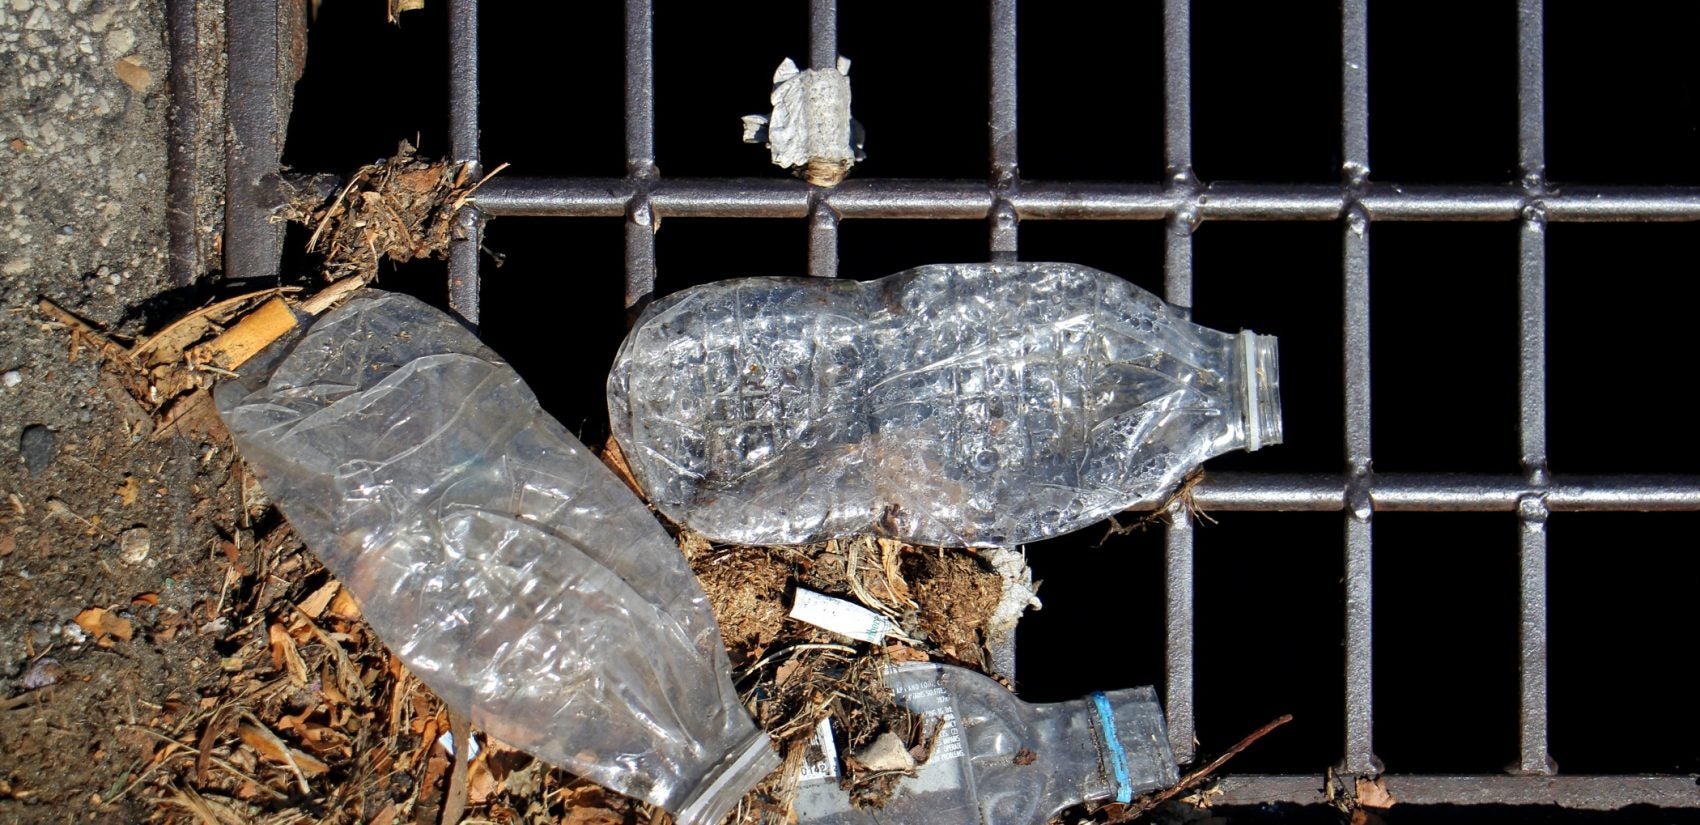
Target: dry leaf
[(127, 491), (104, 626), (187, 799), (592, 816), (145, 599), (324, 738), (1372, 793), (314, 605), (273, 749), (615, 458), (347, 675), (133, 74), (904, 653), (285, 656), (292, 722), (328, 686), (343, 606), (585, 805), (481, 784), (265, 742)]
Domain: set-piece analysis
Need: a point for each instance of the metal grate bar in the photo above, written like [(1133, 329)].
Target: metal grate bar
[(1006, 175), (253, 242), (823, 34), (1436, 492), (970, 200), (1354, 108), (1590, 793), (823, 240), (823, 221), (1178, 562), (463, 144), (641, 173), (1532, 424), (1182, 184)]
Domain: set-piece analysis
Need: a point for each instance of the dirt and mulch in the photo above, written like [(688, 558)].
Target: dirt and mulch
[(299, 712), (306, 716), (294, 711)]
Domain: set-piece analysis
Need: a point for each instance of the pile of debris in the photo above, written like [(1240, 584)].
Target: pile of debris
[(315, 719), (398, 209)]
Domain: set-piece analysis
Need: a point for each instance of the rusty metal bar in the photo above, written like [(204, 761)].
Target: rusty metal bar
[(1448, 493), (253, 243), (1006, 172), (641, 173), (969, 200), (463, 144), (1178, 560), (823, 221), (1359, 580), (823, 240), (1532, 507), (1586, 793)]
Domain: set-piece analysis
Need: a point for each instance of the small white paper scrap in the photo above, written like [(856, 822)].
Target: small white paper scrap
[(839, 616)]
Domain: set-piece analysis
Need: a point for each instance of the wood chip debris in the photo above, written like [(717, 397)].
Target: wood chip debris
[(398, 209)]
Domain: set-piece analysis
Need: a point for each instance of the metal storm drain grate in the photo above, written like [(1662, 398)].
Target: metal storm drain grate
[(1296, 516)]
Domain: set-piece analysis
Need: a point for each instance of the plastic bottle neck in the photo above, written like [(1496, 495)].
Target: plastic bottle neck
[(1260, 377)]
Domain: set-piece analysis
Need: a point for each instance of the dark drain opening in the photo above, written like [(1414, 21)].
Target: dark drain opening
[(369, 85), (1268, 584), (555, 310), (692, 251)]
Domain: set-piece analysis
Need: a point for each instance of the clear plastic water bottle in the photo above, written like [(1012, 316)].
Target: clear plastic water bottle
[(972, 405), (506, 566), (1000, 761)]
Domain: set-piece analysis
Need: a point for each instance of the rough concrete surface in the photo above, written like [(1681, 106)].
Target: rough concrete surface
[(83, 105)]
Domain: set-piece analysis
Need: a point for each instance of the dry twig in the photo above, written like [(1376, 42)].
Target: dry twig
[(1191, 780)]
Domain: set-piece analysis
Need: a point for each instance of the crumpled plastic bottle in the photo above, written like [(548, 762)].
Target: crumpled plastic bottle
[(508, 568), (1001, 761), (976, 405)]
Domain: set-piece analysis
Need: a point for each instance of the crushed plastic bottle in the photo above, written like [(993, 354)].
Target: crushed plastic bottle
[(977, 405), (509, 569), (1001, 761)]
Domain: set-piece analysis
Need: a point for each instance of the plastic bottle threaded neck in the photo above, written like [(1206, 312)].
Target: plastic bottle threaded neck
[(1262, 383)]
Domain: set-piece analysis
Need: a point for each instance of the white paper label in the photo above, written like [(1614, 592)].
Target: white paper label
[(839, 616)]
